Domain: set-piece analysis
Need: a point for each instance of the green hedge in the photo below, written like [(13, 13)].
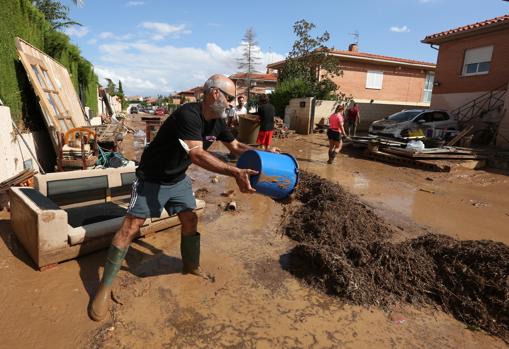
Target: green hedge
[(20, 18)]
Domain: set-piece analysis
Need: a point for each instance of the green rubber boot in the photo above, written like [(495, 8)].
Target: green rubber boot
[(190, 251), (99, 306)]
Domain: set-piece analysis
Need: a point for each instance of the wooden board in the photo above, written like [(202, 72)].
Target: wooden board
[(58, 99), (434, 154), (400, 160)]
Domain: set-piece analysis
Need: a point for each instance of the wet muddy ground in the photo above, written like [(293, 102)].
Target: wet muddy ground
[(254, 302)]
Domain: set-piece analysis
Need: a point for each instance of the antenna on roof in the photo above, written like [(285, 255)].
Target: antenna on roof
[(356, 35)]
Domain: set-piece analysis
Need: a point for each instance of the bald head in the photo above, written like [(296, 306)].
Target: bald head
[(221, 82)]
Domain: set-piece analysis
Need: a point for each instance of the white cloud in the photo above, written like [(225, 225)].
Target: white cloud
[(111, 36), (161, 30), (77, 31), (149, 69), (92, 41), (134, 3), (403, 29)]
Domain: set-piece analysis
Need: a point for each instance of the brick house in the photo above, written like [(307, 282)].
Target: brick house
[(381, 85), (260, 83), (472, 73), (191, 95)]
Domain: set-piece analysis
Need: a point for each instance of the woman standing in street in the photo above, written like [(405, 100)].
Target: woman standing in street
[(335, 132)]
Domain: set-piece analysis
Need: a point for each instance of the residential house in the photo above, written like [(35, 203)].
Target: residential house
[(191, 95), (134, 99), (381, 85), (260, 83), (472, 74), (150, 100)]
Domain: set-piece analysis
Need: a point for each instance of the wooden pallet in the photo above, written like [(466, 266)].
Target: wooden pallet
[(17, 179), (436, 154), (395, 159)]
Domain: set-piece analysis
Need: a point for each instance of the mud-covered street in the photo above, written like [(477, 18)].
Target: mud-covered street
[(252, 300)]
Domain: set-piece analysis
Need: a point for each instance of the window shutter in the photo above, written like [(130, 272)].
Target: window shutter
[(374, 79), (478, 55)]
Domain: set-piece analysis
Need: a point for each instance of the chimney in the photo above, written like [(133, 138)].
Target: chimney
[(353, 48)]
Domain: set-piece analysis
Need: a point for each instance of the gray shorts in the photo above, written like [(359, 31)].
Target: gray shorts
[(148, 199)]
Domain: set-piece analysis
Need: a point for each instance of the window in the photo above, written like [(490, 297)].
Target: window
[(374, 79), (477, 60), (428, 87), (439, 116)]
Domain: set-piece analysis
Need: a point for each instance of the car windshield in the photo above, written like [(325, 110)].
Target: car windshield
[(403, 116)]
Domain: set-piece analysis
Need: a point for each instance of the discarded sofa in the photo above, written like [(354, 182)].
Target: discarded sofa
[(68, 214)]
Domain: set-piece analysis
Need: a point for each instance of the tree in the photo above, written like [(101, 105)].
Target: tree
[(55, 13), (308, 70), (120, 93), (250, 57), (111, 88)]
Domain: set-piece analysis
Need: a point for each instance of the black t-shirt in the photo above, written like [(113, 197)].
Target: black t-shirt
[(165, 160), (266, 113)]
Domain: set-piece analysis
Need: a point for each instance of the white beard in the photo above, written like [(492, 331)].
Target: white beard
[(219, 110)]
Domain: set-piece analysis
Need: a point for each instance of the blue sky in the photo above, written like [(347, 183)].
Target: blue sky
[(157, 47)]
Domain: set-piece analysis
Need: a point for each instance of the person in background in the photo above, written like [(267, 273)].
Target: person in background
[(241, 106), (353, 118), (335, 132), (233, 112), (266, 114)]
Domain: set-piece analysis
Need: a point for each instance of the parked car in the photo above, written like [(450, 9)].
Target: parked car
[(433, 123), (159, 112), (134, 110)]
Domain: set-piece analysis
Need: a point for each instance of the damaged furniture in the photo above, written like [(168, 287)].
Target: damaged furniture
[(68, 214)]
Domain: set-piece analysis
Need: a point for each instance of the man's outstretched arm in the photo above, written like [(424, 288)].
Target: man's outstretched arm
[(204, 159)]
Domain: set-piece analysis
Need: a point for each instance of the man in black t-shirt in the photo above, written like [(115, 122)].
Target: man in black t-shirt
[(161, 181), (266, 114)]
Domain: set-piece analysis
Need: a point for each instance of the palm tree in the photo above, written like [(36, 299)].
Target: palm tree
[(79, 3)]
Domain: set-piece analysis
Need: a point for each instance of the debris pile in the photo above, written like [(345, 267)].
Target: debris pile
[(430, 158), (345, 249), (280, 129)]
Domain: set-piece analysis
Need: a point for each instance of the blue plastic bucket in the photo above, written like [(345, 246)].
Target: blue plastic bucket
[(279, 173)]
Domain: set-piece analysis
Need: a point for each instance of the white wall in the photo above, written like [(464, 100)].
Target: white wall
[(12, 149)]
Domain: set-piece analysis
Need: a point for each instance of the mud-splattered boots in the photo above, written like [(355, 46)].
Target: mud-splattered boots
[(99, 306)]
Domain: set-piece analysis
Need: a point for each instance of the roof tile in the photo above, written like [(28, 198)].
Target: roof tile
[(466, 28)]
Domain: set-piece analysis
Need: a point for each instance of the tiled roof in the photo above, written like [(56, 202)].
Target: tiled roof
[(192, 90), (368, 56), (380, 57), (430, 39), (254, 76)]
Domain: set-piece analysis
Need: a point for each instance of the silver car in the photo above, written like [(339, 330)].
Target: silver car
[(432, 123)]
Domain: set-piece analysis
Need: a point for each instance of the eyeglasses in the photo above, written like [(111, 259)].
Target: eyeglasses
[(229, 98)]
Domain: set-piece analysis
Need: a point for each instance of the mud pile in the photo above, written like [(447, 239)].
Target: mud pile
[(344, 249)]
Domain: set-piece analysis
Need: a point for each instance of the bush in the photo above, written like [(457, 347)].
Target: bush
[(287, 90)]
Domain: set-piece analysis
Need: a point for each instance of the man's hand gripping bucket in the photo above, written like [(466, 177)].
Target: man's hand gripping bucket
[(278, 173)]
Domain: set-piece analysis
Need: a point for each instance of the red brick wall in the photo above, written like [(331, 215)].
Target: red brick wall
[(400, 83), (450, 64)]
